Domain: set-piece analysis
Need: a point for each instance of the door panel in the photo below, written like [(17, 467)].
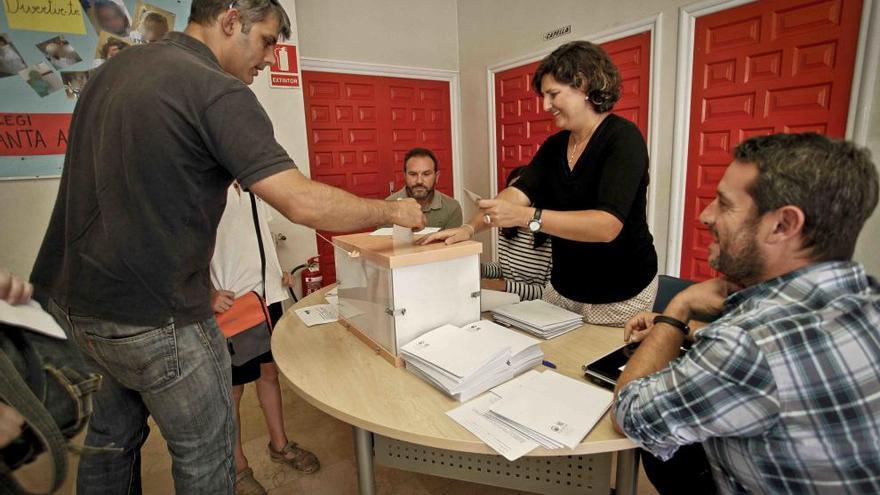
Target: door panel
[(766, 67), (521, 124), (359, 129)]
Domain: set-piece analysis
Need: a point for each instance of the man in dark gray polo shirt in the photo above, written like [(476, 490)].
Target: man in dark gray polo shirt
[(157, 137)]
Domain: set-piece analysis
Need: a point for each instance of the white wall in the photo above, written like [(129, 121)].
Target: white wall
[(496, 31), (410, 33), (25, 206)]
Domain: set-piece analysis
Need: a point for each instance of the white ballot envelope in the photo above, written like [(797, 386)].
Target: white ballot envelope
[(476, 198)]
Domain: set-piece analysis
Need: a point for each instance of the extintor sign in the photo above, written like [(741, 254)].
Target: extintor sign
[(284, 73)]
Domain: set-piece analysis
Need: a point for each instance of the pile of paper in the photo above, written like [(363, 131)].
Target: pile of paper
[(466, 361), (538, 318), (536, 409)]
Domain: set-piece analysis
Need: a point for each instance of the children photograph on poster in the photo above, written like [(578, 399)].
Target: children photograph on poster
[(11, 61), (74, 82), (151, 23), (109, 16), (59, 52), (42, 79), (108, 47)]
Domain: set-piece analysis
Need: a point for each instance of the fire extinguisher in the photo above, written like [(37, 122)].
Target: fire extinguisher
[(311, 276), (312, 279)]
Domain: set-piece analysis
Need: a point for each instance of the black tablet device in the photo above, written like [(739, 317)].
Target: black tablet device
[(606, 370)]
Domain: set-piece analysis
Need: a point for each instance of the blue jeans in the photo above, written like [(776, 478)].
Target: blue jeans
[(180, 376)]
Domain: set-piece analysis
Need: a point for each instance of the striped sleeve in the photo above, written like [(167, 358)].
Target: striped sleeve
[(490, 270), (525, 269)]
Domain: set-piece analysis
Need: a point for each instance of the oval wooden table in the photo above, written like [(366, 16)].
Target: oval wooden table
[(335, 372)]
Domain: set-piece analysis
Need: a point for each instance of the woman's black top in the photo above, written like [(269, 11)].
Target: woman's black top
[(611, 175)]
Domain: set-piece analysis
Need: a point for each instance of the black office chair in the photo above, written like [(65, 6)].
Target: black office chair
[(688, 470), (667, 288)]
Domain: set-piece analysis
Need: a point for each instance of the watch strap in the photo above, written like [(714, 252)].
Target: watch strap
[(685, 329)]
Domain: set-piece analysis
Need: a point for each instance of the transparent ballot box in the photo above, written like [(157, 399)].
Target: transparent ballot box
[(389, 295)]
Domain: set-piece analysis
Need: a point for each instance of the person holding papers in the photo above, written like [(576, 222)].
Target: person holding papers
[(587, 188), (236, 269), (13, 290), (524, 259)]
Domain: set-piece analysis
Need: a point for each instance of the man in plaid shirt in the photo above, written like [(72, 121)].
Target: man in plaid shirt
[(783, 390)]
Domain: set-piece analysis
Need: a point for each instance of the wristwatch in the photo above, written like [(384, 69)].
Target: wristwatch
[(535, 222), (685, 329)]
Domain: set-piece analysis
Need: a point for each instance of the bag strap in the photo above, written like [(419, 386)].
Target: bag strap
[(259, 243), (15, 392)]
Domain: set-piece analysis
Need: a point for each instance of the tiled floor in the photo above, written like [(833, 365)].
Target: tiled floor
[(329, 438)]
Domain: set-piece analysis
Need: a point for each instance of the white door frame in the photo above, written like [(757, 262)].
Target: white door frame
[(649, 24), (861, 98), (450, 76)]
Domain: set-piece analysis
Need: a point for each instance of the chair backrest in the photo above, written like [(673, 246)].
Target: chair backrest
[(667, 288)]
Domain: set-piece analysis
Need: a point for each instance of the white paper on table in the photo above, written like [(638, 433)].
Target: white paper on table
[(493, 299), (332, 299), (556, 406), (30, 315), (318, 314), (510, 387), (390, 231), (504, 440)]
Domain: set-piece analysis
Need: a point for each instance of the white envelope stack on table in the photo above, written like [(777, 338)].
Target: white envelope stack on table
[(535, 409), (538, 318), (466, 361)]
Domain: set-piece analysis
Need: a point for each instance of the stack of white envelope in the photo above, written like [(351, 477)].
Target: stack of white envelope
[(536, 409), (466, 361), (538, 318)]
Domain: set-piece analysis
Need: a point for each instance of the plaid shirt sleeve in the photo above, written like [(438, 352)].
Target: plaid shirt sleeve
[(723, 386)]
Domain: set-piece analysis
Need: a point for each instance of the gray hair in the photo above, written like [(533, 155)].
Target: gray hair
[(833, 182), (205, 12)]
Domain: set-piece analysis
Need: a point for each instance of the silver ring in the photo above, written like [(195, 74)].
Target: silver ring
[(487, 218)]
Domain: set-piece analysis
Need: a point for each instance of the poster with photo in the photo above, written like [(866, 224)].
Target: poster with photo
[(151, 23), (108, 47), (59, 52), (11, 62), (42, 79), (108, 16), (75, 82)]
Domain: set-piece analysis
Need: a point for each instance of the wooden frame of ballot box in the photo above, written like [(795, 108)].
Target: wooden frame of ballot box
[(389, 295)]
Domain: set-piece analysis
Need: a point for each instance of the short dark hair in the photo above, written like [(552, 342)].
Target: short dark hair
[(586, 66), (833, 182), (205, 12), (419, 152)]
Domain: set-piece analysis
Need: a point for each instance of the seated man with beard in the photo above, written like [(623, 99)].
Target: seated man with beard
[(420, 175), (783, 390)]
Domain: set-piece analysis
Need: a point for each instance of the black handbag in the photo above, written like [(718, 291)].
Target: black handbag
[(256, 340)]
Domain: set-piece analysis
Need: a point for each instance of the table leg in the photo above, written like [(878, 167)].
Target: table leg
[(363, 449), (627, 472)]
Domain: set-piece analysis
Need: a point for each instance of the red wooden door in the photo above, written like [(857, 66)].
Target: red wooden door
[(360, 127), (763, 68), (521, 124)]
